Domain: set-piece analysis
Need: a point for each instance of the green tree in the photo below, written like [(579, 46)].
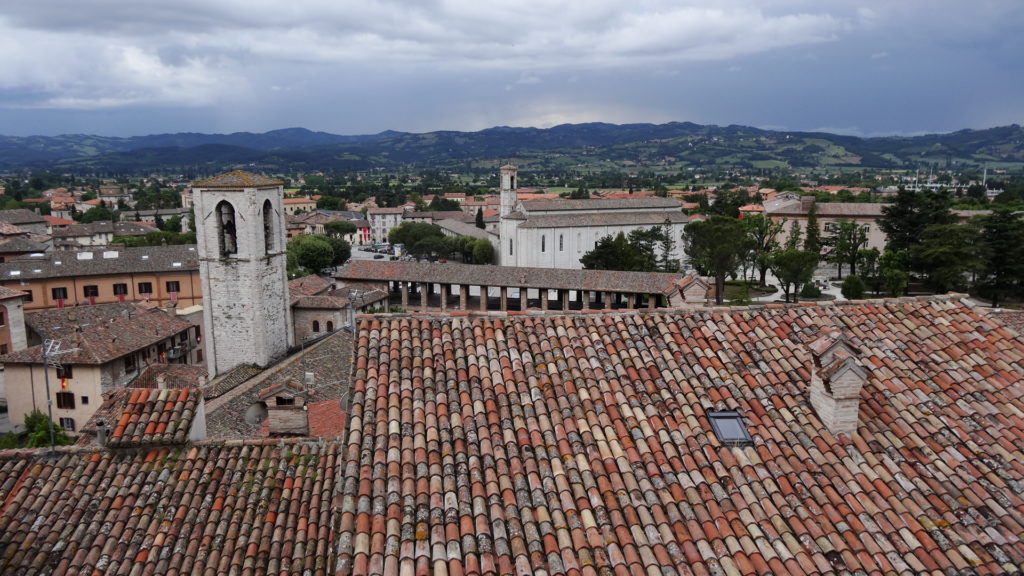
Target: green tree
[(483, 251), (172, 224), (793, 240), (611, 253), (945, 254), (853, 287), (793, 268), (439, 204), (763, 233), (1002, 239), (892, 272), (668, 245), (812, 240), (644, 241), (339, 228), (420, 238), (480, 219), (341, 248), (331, 203), (716, 247), (98, 214), (309, 253), (38, 427), (905, 219), (846, 242)]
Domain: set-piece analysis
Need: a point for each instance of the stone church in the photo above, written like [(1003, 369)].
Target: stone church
[(557, 233)]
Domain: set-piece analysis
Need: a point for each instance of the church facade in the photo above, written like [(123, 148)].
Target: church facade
[(557, 233)]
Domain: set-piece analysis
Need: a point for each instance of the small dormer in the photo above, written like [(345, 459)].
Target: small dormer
[(836, 381), (286, 408)]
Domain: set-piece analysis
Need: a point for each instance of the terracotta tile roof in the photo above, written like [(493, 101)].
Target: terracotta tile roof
[(600, 204), (6, 293), (259, 507), (330, 360), (237, 179), (140, 417), (230, 380), (115, 228), (326, 418), (55, 221), (21, 245), (453, 273), (581, 444), (8, 229), (298, 200), (99, 261), (174, 376), (307, 286), (101, 341), (398, 210), (21, 216), (604, 219)]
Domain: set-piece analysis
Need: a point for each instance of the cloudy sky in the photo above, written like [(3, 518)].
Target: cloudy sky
[(130, 67)]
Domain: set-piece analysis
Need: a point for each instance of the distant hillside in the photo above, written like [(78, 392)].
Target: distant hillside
[(672, 146)]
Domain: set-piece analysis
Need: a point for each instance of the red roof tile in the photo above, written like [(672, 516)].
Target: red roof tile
[(549, 443)]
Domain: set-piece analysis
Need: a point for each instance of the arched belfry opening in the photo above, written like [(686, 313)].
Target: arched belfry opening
[(227, 232), (269, 233)]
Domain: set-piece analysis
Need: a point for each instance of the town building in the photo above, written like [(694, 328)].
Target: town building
[(442, 286), (12, 321), (104, 348), (164, 214), (319, 307), (26, 220), (97, 234), (240, 229), (382, 220), (557, 233), (166, 276), (297, 204)]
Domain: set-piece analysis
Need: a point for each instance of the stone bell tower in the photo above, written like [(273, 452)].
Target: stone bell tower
[(240, 231)]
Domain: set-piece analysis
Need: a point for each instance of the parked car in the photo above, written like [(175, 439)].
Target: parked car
[(378, 256)]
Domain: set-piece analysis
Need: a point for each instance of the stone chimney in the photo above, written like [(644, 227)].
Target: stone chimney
[(806, 202), (836, 380), (286, 409)]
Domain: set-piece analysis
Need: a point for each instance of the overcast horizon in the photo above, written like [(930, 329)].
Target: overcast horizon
[(869, 68)]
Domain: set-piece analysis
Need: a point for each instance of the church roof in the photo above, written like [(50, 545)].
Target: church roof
[(99, 261), (604, 219), (237, 179), (588, 204)]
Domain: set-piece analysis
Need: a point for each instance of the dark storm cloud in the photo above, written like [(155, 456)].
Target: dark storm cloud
[(353, 67)]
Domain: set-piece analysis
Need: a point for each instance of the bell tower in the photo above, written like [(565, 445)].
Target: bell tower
[(240, 232)]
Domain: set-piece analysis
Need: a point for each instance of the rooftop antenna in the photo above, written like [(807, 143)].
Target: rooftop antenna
[(51, 357)]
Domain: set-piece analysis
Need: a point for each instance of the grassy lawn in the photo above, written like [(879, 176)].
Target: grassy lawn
[(740, 292)]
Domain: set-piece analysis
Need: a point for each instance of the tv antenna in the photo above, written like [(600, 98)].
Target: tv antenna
[(51, 357)]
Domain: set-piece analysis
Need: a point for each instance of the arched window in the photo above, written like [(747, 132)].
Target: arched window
[(512, 182), (316, 326), (330, 326), (561, 242), (269, 234), (543, 243), (226, 230), (509, 246)]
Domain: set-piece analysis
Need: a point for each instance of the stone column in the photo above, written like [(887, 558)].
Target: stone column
[(652, 301), (630, 301), (565, 299), (425, 290), (504, 298), (404, 287), (463, 296), (609, 301), (544, 299), (524, 300), (444, 297), (483, 298)]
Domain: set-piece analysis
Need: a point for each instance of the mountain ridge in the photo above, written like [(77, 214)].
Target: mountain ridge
[(673, 144)]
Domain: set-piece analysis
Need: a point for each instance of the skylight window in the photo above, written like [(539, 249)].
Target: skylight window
[(729, 428)]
